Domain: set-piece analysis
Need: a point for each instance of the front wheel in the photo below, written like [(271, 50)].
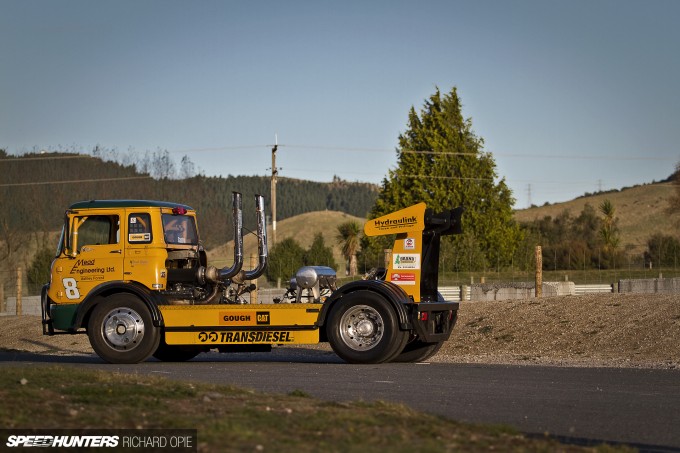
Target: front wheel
[(363, 328), (121, 330)]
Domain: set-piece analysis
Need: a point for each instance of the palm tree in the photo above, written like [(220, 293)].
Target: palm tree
[(609, 232), (348, 238)]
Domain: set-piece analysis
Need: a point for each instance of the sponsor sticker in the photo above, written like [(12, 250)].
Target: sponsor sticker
[(244, 318), (386, 224), (406, 261), (409, 244), (403, 278), (82, 267), (237, 318), (246, 337)]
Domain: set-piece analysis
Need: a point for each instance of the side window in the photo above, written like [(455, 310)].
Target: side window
[(98, 230), (139, 228), (179, 229)]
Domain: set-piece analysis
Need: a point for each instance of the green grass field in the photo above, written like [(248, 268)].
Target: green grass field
[(238, 420)]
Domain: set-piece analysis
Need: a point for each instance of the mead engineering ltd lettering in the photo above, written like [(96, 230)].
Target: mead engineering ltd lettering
[(89, 267), (395, 223)]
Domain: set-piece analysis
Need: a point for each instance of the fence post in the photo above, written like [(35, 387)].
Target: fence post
[(253, 265), (388, 258), (539, 272), (18, 306), (3, 307)]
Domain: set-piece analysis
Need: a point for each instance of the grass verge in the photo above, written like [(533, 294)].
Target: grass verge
[(234, 419)]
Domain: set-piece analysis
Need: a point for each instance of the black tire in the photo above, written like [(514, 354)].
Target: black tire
[(418, 351), (363, 328), (176, 353), (121, 330)]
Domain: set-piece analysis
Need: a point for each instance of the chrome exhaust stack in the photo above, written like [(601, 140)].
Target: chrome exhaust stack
[(226, 273), (261, 241)]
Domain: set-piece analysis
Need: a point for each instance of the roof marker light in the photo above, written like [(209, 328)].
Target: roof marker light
[(179, 210)]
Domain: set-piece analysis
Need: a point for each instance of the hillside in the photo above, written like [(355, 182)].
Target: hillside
[(302, 228), (37, 188), (641, 211)]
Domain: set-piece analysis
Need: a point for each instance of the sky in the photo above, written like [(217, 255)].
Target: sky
[(569, 96)]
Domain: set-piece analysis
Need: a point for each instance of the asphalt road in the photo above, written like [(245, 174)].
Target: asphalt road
[(640, 407)]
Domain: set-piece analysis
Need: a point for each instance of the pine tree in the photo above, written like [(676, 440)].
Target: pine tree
[(285, 258), (39, 271), (440, 161), (319, 255)]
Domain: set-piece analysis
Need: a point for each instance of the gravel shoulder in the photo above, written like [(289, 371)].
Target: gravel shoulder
[(611, 330), (597, 330)]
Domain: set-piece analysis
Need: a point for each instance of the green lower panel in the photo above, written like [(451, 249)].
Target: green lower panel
[(63, 316)]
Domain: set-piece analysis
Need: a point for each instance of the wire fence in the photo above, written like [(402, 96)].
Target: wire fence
[(15, 285)]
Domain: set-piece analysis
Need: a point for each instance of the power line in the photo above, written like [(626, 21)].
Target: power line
[(294, 147), (73, 181), (27, 159), (541, 156), (221, 148), (446, 177)]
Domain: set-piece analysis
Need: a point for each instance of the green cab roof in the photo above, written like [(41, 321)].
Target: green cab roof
[(103, 204)]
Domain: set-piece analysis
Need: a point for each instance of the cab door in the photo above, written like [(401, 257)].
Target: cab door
[(98, 256), (145, 252)]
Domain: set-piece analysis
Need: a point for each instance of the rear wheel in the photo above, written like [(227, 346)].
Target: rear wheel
[(418, 351), (363, 328), (121, 330)]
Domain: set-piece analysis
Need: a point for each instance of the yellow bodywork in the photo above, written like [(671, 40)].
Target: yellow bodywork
[(122, 254), (404, 264), (241, 324), (133, 248)]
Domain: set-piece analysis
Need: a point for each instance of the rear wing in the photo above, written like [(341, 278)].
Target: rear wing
[(414, 263)]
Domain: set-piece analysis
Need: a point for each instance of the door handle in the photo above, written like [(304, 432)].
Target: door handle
[(116, 251)]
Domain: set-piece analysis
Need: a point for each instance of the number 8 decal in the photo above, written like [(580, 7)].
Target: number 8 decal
[(71, 287)]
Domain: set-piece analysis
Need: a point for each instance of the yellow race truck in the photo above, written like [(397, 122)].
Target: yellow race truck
[(133, 275)]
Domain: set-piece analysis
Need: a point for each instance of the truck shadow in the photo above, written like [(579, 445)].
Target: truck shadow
[(277, 355)]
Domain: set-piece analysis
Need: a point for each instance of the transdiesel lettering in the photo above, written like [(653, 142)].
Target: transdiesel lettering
[(246, 337)]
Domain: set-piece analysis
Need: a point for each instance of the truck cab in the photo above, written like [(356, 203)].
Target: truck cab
[(120, 241)]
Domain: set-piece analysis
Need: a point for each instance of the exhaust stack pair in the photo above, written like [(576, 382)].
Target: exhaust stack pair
[(235, 272)]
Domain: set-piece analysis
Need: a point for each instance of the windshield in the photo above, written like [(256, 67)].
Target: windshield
[(179, 229)]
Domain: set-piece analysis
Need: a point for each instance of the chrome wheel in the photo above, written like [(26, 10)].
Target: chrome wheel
[(361, 327), (123, 328)]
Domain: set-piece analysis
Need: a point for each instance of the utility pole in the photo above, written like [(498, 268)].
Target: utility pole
[(529, 195), (538, 288), (275, 173)]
